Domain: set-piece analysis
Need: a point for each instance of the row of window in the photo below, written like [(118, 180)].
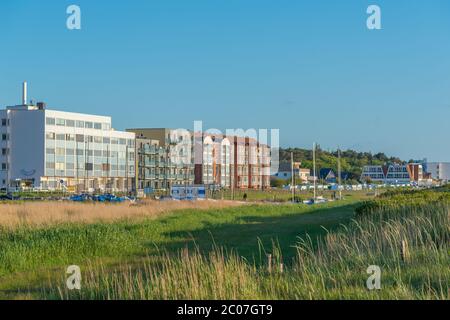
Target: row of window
[(373, 169), (89, 139), (90, 174), (77, 124), (94, 153), (87, 166)]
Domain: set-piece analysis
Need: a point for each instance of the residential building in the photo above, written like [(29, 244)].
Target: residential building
[(304, 175), (415, 171), (327, 175), (232, 162), (285, 168), (439, 170), (393, 173), (56, 150), (375, 173), (201, 159), (165, 158), (250, 164)]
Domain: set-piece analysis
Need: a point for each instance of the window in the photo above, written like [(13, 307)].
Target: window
[(60, 151), (122, 141), (97, 126), (98, 139), (4, 122), (88, 125), (106, 126), (89, 138), (50, 136), (70, 137), (79, 138), (79, 124), (61, 137), (50, 151), (70, 152), (4, 166), (50, 165), (60, 166), (106, 140), (114, 141), (5, 151), (80, 152), (70, 123), (70, 166), (4, 137), (50, 121), (60, 122)]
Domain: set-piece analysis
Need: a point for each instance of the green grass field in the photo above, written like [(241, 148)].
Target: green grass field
[(318, 252)]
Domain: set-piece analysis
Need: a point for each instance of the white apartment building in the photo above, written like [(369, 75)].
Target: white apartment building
[(55, 150), (439, 170)]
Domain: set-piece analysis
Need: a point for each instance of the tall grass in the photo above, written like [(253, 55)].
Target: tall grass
[(409, 243), (42, 214)]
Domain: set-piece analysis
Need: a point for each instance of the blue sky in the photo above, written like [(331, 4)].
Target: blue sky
[(310, 68)]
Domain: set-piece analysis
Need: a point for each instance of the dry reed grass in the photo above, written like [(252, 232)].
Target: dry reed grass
[(41, 214)]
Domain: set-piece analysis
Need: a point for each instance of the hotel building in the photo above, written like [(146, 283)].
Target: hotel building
[(55, 150)]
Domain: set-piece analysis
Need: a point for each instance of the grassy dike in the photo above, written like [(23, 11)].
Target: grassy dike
[(30, 255), (319, 252)]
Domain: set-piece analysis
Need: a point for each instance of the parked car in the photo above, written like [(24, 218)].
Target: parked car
[(8, 196)]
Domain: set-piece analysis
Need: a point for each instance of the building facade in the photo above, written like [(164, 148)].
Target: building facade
[(231, 162), (439, 170), (285, 168), (55, 150), (164, 158), (184, 158), (393, 173)]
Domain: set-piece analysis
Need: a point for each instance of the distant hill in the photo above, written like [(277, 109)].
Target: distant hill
[(351, 161)]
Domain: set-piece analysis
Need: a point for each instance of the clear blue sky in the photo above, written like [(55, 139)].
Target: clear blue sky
[(310, 68)]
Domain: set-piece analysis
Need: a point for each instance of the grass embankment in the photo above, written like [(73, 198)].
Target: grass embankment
[(32, 252), (410, 244), (406, 234)]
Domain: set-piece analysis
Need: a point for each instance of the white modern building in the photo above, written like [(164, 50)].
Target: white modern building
[(54, 150), (439, 170)]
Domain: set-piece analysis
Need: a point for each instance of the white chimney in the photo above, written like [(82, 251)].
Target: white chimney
[(24, 93)]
